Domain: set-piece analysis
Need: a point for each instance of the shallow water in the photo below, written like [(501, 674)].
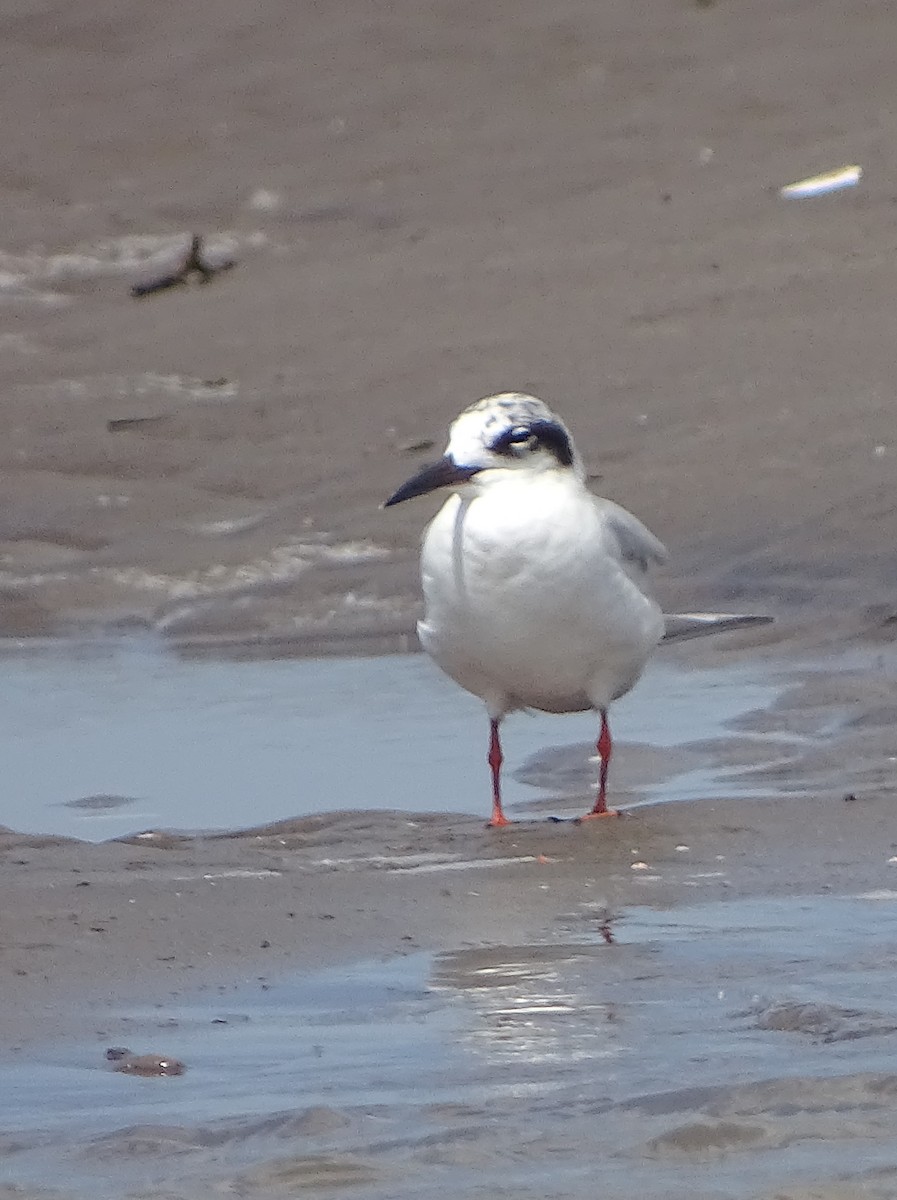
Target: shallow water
[(105, 740), (739, 1050), (724, 1050)]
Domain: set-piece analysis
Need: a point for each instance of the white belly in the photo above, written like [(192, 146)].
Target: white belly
[(529, 605)]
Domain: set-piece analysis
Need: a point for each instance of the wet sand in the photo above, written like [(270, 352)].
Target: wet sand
[(429, 204), (146, 914), (89, 927), (745, 1010), (687, 999)]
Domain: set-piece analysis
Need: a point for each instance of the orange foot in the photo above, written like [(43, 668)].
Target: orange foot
[(608, 812), (497, 821)]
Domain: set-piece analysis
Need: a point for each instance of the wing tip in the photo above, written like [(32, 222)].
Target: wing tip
[(682, 626)]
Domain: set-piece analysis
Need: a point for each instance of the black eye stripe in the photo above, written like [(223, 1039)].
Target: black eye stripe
[(556, 439)]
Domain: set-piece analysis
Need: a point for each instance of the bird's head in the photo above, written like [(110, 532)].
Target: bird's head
[(493, 439)]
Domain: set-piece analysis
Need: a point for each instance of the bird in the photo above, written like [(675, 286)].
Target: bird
[(536, 591)]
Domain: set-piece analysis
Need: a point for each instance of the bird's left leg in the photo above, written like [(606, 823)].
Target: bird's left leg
[(495, 759), (605, 748)]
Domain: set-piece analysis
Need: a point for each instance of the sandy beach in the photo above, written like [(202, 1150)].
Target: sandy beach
[(428, 203), (428, 206)]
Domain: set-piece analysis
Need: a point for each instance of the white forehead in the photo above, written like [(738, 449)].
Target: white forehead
[(481, 423)]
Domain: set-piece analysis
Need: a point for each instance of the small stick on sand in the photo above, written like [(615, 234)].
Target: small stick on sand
[(195, 263)]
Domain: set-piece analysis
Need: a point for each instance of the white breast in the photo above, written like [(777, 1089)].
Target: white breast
[(530, 599)]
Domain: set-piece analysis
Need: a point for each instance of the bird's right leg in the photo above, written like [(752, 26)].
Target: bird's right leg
[(605, 746), (495, 759)]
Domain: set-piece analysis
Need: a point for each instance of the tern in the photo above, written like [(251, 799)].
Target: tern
[(536, 591)]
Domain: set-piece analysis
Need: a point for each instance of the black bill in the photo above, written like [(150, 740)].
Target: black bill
[(444, 473)]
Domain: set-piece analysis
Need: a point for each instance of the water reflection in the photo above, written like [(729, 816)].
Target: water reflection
[(535, 1005), (104, 740), (748, 1044)]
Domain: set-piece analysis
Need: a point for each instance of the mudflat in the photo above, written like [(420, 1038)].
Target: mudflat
[(429, 204)]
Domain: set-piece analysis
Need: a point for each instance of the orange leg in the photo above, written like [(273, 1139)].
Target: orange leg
[(605, 749), (495, 759)]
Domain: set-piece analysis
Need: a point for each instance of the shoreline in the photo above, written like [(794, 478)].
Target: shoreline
[(155, 918), (152, 915)]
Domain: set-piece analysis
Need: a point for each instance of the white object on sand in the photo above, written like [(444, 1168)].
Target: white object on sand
[(821, 185)]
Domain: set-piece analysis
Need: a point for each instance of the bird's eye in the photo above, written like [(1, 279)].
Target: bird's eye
[(512, 439)]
